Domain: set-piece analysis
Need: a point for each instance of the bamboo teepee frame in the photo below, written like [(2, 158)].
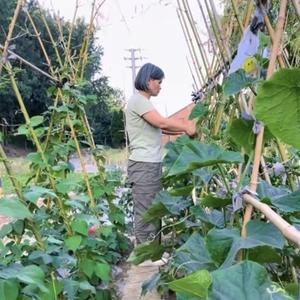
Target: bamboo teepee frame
[(222, 51), (76, 73)]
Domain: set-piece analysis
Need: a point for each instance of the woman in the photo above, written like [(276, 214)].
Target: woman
[(144, 126)]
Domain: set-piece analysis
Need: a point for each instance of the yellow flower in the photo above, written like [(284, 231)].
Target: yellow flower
[(250, 65)]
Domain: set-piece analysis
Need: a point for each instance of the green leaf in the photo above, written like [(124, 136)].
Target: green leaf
[(288, 203), (241, 133), (195, 155), (258, 234), (54, 289), (237, 81), (103, 271), (148, 250), (151, 283), (215, 202), (73, 242), (264, 255), (35, 192), (277, 97), (30, 275), (86, 286), (9, 289), (68, 185), (165, 204), (195, 284), (247, 280), (181, 191), (22, 130), (219, 242), (199, 111), (14, 208), (36, 120), (193, 254), (80, 226), (87, 266)]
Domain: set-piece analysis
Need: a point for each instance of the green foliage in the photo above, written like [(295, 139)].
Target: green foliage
[(237, 81), (195, 155), (278, 97), (195, 284)]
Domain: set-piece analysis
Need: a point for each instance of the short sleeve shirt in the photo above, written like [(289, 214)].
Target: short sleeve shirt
[(144, 139)]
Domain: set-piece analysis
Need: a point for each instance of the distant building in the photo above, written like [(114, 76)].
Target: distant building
[(179, 115)]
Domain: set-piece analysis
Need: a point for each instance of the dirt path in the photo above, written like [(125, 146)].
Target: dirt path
[(133, 283)]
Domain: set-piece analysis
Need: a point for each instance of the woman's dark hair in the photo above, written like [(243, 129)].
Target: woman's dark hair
[(147, 71)]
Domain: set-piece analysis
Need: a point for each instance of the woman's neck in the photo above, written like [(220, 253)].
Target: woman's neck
[(145, 94)]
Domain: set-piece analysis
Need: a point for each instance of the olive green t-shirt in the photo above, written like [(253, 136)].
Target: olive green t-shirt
[(144, 139)]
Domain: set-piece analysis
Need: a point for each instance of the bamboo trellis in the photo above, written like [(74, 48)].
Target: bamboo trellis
[(76, 68), (222, 51)]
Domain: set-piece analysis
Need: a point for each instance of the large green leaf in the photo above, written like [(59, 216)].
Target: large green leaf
[(14, 208), (164, 204), (199, 111), (195, 155), (219, 242), (193, 254), (148, 250), (9, 289), (248, 281), (258, 234), (267, 192), (173, 150), (277, 105), (236, 81), (195, 284), (288, 203), (213, 216)]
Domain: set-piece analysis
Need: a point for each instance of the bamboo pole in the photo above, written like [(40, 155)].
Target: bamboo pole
[(84, 171), (218, 40), (196, 35), (289, 231), (12, 24), (51, 37), (29, 64), (189, 48), (192, 74), (189, 38), (220, 30), (248, 14), (259, 139), (236, 14), (208, 31), (37, 33)]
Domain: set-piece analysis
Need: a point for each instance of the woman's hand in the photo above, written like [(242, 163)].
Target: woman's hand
[(190, 128)]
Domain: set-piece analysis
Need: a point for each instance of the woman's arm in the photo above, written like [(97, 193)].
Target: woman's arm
[(175, 126)]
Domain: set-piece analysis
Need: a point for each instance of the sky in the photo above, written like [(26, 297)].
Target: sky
[(149, 25)]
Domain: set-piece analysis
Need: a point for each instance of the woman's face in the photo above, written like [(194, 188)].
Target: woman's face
[(154, 86)]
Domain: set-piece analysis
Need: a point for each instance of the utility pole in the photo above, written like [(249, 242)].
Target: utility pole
[(133, 58)]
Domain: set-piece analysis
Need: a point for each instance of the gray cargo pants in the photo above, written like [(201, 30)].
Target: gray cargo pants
[(144, 178)]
